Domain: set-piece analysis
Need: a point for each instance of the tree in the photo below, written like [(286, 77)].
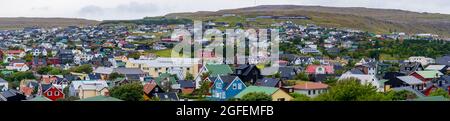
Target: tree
[(115, 75), (189, 76), (204, 88), (316, 63), (28, 57), (256, 96), (276, 75), (128, 92), (86, 68), (300, 97), (352, 90), (134, 55), (401, 95), (302, 76), (440, 92)]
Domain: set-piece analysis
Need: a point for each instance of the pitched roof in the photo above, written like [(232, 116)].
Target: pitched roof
[(435, 67), (128, 71), (304, 85), (268, 82), (162, 76), (410, 80), (218, 69), (266, 90), (100, 98), (429, 74), (167, 96), (39, 98), (186, 83), (103, 70), (149, 87), (227, 79)]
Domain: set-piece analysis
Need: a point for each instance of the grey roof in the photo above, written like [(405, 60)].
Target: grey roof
[(444, 60), (227, 79), (129, 71), (356, 71), (3, 80), (168, 96), (410, 80), (268, 82), (186, 83)]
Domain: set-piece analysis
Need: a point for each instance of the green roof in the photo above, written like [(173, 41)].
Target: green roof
[(218, 69), (432, 98), (164, 76), (100, 98), (40, 98), (429, 74), (250, 89)]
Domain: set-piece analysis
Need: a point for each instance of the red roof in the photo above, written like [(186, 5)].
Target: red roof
[(149, 87), (14, 51)]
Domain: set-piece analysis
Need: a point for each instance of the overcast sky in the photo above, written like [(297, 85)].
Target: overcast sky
[(134, 9)]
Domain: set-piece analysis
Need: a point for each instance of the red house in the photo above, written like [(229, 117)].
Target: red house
[(53, 93), (53, 61), (426, 76)]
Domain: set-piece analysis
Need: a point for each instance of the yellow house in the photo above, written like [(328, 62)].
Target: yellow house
[(86, 91), (155, 67), (276, 93)]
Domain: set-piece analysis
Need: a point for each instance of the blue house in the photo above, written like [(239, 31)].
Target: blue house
[(225, 87)]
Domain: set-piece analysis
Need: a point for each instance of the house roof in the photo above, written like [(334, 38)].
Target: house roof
[(410, 80), (227, 79), (39, 98), (165, 76), (356, 71), (410, 89), (186, 83), (167, 96), (268, 82), (267, 90), (128, 71), (218, 69), (149, 87), (103, 70), (100, 98), (429, 74), (3, 80), (312, 68), (304, 85), (435, 67)]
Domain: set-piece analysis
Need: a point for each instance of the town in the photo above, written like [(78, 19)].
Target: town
[(133, 62)]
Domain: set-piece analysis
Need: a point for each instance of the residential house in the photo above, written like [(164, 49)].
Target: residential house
[(151, 88), (52, 92), (410, 67), (132, 74), (441, 68), (369, 68), (88, 88), (11, 95), (167, 96), (65, 56), (404, 81), (225, 87), (167, 82), (186, 86), (427, 76), (364, 80), (248, 73), (213, 70), (422, 60), (154, 67), (16, 53), (269, 82), (320, 69), (310, 89), (18, 66), (275, 93)]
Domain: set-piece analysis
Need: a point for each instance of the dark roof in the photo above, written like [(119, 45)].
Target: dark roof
[(46, 87), (246, 69), (186, 83), (392, 75), (409, 67), (227, 79), (444, 60), (320, 77), (287, 72), (94, 76), (167, 96), (268, 82), (356, 71)]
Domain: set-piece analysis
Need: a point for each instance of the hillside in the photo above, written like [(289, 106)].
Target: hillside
[(374, 20), (16, 23)]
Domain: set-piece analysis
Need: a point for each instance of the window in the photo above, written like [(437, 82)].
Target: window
[(219, 85), (309, 92), (281, 99), (49, 93), (234, 86), (188, 69), (56, 93), (314, 92), (239, 86)]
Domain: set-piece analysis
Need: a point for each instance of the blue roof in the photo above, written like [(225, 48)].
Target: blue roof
[(186, 83)]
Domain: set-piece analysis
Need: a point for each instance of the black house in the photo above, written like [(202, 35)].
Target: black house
[(248, 73), (65, 56)]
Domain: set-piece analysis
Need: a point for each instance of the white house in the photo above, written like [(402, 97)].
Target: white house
[(3, 85), (422, 60), (364, 80)]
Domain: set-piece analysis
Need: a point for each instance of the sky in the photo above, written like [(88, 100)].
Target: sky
[(135, 9)]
